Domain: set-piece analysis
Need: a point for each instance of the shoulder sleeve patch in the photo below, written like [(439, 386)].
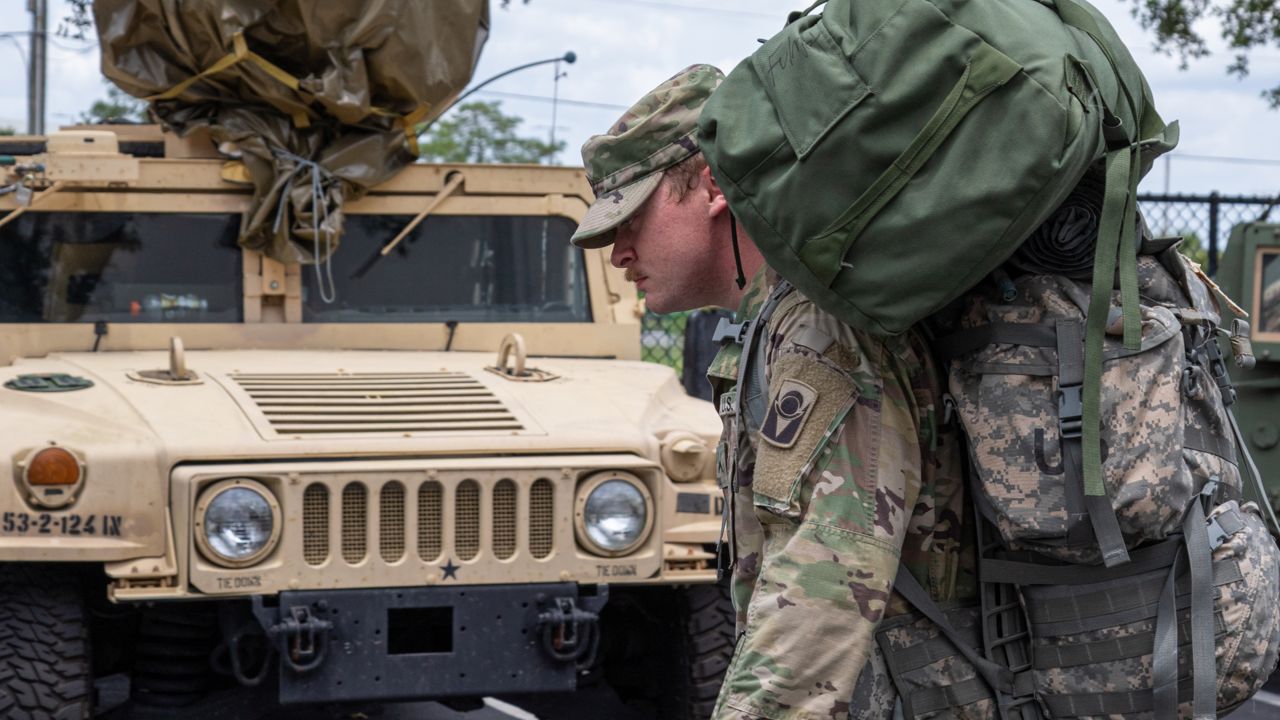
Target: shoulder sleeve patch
[(787, 413), (807, 396)]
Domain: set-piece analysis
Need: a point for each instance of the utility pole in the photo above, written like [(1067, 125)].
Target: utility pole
[(39, 10), (555, 100)]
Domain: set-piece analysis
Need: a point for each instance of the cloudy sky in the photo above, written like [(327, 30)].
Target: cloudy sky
[(1230, 140)]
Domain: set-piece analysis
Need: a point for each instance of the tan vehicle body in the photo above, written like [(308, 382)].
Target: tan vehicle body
[(364, 500)]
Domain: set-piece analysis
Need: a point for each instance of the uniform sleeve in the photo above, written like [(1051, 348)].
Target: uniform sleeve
[(837, 470)]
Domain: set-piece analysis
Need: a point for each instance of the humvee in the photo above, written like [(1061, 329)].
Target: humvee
[(1250, 270), (439, 471)]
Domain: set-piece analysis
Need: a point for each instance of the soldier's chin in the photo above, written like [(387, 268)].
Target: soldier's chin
[(660, 302)]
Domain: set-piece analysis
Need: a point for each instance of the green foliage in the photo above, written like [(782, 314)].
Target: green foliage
[(479, 132), (117, 107), (79, 23), (1193, 247), (6, 130), (1247, 25)]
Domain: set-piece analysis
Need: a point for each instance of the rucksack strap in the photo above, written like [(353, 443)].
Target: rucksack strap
[(1264, 500), (1071, 424), (753, 390), (1164, 659), (999, 678)]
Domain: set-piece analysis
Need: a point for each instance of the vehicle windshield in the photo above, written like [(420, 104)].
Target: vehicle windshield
[(468, 268), (1270, 295), (66, 267)]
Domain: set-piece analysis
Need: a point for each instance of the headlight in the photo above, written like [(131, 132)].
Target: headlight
[(614, 513), (237, 522)]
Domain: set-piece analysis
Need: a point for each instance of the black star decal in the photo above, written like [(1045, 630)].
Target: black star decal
[(450, 570)]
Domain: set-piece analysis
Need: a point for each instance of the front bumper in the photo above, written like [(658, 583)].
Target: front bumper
[(433, 642)]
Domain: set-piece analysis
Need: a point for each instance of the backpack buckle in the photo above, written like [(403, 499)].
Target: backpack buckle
[(728, 331), (1241, 347), (1070, 411)]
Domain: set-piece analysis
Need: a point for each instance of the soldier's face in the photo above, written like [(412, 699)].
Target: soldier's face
[(667, 248)]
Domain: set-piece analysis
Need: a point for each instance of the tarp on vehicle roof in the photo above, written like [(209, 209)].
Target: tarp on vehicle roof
[(316, 97)]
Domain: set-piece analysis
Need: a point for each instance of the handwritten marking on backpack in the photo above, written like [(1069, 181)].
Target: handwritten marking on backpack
[(785, 57)]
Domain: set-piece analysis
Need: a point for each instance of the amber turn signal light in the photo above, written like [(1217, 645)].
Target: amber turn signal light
[(53, 466)]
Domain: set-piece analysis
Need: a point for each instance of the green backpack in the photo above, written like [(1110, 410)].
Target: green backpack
[(887, 155)]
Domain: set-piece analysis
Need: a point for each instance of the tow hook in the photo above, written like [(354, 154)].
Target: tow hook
[(302, 638), (570, 633)]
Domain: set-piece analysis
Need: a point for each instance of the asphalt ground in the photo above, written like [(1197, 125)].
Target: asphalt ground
[(594, 704)]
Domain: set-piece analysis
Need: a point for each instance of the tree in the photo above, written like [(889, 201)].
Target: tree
[(6, 130), (1246, 25), (1193, 247), (118, 107), (479, 132)]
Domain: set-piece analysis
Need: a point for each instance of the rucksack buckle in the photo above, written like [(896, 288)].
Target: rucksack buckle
[(728, 331), (1241, 347), (1070, 411)]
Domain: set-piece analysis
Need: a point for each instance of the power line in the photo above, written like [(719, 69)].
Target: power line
[(697, 8), (1223, 159), (544, 98)]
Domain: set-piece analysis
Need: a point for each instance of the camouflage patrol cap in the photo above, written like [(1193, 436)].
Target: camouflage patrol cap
[(625, 164)]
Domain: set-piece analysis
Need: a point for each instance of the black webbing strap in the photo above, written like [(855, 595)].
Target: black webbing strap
[(1195, 438), (1101, 704), (997, 677), (966, 341), (1164, 660), (1223, 526), (1120, 595), (1203, 666), (753, 391), (1264, 500), (1154, 557), (933, 699), (1050, 657), (1102, 515), (1069, 341), (932, 650)]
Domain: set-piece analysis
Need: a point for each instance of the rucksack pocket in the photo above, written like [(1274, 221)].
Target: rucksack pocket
[(1021, 413), (932, 679), (1092, 644)]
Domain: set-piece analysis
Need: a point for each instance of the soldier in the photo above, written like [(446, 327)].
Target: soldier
[(848, 474)]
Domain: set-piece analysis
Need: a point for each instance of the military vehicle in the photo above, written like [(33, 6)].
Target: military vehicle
[(1249, 271), (451, 477)]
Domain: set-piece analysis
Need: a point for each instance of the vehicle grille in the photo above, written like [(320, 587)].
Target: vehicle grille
[(486, 518), (365, 403)]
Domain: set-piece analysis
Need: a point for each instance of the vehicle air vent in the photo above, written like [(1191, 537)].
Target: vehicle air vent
[(326, 404)]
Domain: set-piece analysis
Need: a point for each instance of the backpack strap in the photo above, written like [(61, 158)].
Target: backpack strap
[(1164, 659), (1102, 514), (753, 392), (1000, 678)]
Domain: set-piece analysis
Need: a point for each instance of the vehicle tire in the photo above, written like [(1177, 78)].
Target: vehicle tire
[(706, 612), (678, 643), (44, 645)]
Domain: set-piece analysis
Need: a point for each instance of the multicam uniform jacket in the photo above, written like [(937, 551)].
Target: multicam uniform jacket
[(848, 476)]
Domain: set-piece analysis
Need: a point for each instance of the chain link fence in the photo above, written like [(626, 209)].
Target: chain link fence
[(1205, 219)]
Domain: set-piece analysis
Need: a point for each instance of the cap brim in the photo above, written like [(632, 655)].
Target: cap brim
[(612, 209)]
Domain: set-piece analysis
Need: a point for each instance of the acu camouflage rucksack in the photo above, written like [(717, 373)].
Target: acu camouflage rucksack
[(1190, 625)]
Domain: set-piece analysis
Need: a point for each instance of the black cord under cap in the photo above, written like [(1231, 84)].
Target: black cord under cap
[(737, 255)]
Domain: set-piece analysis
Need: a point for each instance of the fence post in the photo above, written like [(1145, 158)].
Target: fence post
[(1214, 205)]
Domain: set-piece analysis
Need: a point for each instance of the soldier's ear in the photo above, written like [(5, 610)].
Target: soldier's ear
[(716, 203)]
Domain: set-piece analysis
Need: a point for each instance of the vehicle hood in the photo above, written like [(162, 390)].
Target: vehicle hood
[(276, 404)]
